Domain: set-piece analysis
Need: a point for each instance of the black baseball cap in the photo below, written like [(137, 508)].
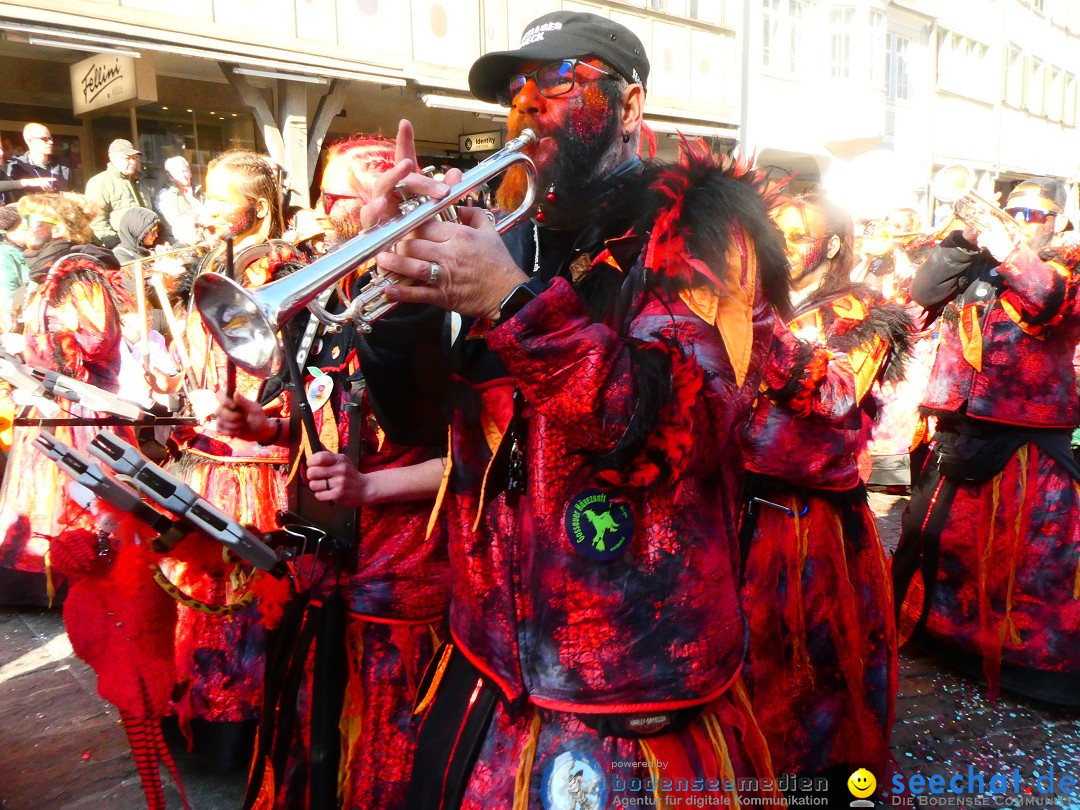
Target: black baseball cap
[(1041, 193), (562, 35)]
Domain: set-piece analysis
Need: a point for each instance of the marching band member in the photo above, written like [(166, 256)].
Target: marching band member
[(72, 325), (220, 654), (396, 587), (822, 664), (605, 363), (989, 557)]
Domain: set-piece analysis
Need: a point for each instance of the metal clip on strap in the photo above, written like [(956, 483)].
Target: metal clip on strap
[(786, 510)]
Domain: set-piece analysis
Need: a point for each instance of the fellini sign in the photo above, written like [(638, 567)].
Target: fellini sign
[(108, 80)]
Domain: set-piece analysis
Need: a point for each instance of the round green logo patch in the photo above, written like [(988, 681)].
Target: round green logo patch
[(598, 527)]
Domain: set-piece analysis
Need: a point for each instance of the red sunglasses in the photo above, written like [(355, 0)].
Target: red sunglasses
[(330, 199), (1030, 215)]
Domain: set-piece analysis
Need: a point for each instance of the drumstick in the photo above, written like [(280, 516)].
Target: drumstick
[(230, 366)]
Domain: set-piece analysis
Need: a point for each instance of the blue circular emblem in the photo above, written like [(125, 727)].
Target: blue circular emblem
[(574, 781), (598, 527)]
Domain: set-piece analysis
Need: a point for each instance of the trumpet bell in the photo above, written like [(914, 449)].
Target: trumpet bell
[(242, 324), (955, 185), (953, 182), (245, 322)]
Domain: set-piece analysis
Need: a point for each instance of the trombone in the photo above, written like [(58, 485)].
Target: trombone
[(245, 322)]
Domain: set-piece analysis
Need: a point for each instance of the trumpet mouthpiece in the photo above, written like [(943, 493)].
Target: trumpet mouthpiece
[(527, 136)]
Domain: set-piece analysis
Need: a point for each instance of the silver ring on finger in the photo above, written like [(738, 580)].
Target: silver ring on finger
[(436, 268)]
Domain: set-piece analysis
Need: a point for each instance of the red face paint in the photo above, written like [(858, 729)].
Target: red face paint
[(590, 115), (240, 221), (576, 129), (805, 235)]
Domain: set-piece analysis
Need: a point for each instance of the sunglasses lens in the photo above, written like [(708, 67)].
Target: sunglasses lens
[(513, 87), (1030, 215), (554, 80)]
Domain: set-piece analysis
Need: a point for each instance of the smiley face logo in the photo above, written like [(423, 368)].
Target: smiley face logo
[(861, 783)]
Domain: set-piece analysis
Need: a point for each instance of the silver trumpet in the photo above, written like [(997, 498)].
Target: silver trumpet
[(245, 322), (955, 186)]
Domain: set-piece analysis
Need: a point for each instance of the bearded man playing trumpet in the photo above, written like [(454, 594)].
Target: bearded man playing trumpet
[(991, 537), (606, 355)]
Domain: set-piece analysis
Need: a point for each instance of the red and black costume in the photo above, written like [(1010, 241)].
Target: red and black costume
[(395, 588), (220, 657), (118, 619), (992, 534), (73, 327), (822, 667), (592, 498)]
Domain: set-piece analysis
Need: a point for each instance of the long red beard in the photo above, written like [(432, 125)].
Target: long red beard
[(515, 182), (511, 191)]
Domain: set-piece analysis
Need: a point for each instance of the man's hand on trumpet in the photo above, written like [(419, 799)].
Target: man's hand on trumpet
[(463, 266), (995, 238)]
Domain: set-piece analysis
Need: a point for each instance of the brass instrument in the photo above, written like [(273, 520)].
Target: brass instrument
[(245, 322), (879, 239), (955, 185), (196, 251)]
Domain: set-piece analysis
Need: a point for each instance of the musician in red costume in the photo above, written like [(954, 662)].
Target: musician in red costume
[(822, 666), (72, 325), (607, 356), (396, 588), (220, 655), (989, 557)]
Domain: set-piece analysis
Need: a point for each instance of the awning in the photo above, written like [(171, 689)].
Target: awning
[(305, 66)]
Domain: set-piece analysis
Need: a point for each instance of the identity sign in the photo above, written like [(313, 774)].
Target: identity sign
[(480, 141)]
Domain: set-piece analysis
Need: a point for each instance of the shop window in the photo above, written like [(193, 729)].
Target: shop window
[(165, 131), (67, 148)]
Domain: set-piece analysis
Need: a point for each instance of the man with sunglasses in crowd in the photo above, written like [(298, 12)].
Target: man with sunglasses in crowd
[(603, 358), (35, 168), (991, 538)]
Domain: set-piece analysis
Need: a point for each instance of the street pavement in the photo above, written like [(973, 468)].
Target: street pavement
[(62, 747)]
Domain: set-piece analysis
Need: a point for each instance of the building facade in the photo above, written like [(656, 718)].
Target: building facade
[(284, 75), (839, 92), (842, 91)]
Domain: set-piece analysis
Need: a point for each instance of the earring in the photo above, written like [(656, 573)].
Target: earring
[(626, 137)]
